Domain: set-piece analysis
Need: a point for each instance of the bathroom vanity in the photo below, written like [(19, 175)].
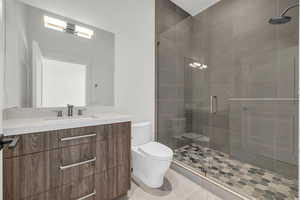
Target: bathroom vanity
[(76, 159)]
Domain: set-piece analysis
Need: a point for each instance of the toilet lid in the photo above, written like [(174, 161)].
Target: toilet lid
[(157, 150)]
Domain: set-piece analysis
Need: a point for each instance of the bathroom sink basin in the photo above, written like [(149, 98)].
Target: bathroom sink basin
[(70, 119)]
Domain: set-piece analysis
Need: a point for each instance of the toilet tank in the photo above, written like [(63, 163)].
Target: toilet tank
[(141, 133)]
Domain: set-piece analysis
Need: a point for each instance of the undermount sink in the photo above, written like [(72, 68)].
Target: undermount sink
[(71, 119)]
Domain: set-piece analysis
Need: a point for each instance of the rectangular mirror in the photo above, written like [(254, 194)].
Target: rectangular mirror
[(52, 60)]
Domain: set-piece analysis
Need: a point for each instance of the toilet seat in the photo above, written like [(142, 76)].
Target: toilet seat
[(156, 151)]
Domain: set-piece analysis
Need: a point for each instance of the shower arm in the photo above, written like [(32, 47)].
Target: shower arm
[(289, 8)]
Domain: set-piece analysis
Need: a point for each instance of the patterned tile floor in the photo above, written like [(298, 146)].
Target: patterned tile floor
[(245, 178)]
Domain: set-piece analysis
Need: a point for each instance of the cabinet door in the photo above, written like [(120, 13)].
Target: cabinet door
[(118, 182), (30, 175), (101, 183), (123, 143), (102, 156), (119, 139)]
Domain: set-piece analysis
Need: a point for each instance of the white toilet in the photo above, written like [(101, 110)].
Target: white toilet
[(150, 160)]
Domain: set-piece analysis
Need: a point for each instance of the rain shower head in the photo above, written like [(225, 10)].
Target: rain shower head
[(282, 19)]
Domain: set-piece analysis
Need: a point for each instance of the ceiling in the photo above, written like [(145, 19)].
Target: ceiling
[(96, 12), (194, 7)]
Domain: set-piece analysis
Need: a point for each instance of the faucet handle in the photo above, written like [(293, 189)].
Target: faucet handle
[(59, 113), (70, 110), (80, 111)]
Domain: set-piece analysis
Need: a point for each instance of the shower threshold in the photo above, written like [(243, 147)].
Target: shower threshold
[(237, 176)]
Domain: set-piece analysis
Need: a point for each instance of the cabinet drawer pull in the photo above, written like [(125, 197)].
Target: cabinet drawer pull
[(87, 196), (77, 164), (77, 137)]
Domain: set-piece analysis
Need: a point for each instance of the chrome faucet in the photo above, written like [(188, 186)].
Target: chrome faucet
[(80, 111), (70, 110)]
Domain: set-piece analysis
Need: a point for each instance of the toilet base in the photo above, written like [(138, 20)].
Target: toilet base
[(158, 183), (162, 191), (150, 180)]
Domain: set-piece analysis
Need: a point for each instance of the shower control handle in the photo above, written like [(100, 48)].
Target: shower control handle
[(213, 104)]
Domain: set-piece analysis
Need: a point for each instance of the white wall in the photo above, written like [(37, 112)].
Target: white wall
[(135, 60), (17, 56), (133, 22)]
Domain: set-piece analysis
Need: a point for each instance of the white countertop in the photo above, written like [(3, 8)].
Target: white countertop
[(33, 125)]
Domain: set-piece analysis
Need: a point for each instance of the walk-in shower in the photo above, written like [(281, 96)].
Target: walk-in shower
[(234, 121)]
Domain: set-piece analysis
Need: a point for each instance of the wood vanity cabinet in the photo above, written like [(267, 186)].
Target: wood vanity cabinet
[(90, 163)]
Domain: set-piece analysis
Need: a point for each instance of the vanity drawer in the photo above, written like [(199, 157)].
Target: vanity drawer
[(75, 136), (103, 186), (33, 143), (77, 162), (49, 195), (31, 174), (82, 160), (83, 189)]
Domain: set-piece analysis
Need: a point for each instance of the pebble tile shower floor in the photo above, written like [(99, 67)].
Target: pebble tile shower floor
[(245, 178)]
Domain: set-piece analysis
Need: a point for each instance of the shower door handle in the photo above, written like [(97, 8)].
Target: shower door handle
[(295, 89), (213, 104)]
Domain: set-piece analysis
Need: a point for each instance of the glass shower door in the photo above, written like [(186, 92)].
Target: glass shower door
[(207, 116), (228, 94)]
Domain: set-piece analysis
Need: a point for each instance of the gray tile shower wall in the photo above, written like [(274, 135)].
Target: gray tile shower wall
[(265, 134), (246, 56)]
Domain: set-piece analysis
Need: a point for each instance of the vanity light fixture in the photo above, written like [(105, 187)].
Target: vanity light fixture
[(67, 27), (198, 65), (192, 65), (195, 65), (55, 24), (203, 67), (83, 32)]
